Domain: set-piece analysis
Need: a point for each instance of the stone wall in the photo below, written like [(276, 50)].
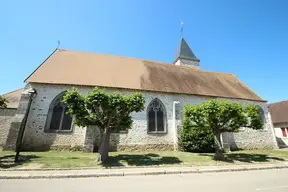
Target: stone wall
[(248, 138), (6, 117), (36, 138), (135, 138)]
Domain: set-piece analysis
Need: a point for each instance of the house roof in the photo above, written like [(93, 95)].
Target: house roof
[(279, 112), (184, 52), (81, 68), (13, 98)]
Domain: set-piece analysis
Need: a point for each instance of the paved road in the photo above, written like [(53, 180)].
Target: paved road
[(251, 181)]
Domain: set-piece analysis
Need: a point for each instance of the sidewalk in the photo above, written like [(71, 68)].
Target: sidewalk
[(82, 173)]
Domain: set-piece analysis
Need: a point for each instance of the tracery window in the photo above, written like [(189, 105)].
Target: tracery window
[(156, 115), (57, 119)]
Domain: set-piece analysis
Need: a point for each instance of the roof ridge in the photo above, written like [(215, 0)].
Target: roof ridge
[(12, 91), (278, 102)]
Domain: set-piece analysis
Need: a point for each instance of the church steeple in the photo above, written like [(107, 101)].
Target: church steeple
[(185, 56)]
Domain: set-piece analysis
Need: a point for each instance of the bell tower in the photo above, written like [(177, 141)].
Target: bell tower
[(185, 56)]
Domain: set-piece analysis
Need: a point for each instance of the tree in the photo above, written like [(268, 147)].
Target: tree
[(109, 112), (222, 116), (3, 102)]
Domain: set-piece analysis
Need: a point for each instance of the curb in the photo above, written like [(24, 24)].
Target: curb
[(143, 173), (98, 168)]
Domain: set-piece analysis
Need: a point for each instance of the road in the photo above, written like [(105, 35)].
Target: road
[(250, 181)]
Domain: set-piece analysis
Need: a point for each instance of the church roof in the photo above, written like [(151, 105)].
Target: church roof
[(81, 68), (279, 111), (13, 98), (184, 52)]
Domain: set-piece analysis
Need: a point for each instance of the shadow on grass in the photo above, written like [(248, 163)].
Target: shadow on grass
[(246, 158), (140, 160), (7, 161)]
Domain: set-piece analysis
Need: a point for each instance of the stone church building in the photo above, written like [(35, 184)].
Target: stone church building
[(166, 87)]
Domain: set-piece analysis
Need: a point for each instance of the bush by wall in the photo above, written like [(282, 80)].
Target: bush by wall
[(196, 139)]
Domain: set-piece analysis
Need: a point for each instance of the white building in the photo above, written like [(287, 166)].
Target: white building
[(279, 115)]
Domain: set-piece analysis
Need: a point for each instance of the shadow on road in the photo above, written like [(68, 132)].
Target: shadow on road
[(247, 158), (7, 161), (141, 160)]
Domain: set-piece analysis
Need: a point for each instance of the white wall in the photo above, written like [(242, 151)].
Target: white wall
[(35, 135), (282, 141)]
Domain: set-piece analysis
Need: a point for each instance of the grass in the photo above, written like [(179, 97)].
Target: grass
[(54, 159)]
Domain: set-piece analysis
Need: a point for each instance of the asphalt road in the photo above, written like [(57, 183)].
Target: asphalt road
[(266, 180)]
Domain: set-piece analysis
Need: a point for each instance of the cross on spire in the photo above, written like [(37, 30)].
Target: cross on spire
[(182, 23)]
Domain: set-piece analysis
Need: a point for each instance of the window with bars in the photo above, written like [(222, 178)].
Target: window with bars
[(284, 131), (57, 119), (156, 116)]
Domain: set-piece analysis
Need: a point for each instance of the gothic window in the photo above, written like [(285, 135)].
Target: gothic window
[(262, 114), (57, 119), (156, 116)]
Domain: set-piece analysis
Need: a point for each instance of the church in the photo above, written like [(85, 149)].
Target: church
[(37, 113)]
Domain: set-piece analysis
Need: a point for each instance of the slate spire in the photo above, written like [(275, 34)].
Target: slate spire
[(184, 52)]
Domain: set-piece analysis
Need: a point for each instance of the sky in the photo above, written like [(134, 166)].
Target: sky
[(248, 38)]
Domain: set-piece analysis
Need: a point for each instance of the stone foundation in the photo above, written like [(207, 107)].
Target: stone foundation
[(40, 148), (160, 147)]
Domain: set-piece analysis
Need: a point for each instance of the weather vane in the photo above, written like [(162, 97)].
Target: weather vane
[(182, 23), (58, 44)]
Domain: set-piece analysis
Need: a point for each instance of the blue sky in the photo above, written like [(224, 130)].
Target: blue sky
[(248, 38)]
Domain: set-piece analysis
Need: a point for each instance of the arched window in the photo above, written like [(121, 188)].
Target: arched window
[(262, 114), (57, 119), (156, 115)]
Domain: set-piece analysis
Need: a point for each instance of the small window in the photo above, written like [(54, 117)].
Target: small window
[(284, 131), (58, 120), (156, 116)]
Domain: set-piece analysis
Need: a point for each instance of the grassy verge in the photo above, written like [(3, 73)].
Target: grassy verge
[(55, 159)]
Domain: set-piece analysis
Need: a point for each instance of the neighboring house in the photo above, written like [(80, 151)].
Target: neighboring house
[(7, 114), (279, 115), (167, 88)]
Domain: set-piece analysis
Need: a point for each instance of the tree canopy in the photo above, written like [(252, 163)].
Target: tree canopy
[(3, 102), (110, 112), (222, 116)]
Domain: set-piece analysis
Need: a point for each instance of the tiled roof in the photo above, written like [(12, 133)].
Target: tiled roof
[(279, 112), (80, 68), (13, 98)]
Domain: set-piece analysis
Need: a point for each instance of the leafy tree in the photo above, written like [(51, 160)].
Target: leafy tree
[(222, 116), (3, 102), (109, 112)]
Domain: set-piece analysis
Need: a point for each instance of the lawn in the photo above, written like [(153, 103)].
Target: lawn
[(57, 159)]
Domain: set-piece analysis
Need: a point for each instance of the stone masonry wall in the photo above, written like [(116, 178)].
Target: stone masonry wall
[(137, 138), (35, 138), (6, 117)]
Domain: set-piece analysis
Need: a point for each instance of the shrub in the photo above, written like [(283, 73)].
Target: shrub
[(196, 139)]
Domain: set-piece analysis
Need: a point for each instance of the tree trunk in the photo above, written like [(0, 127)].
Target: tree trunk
[(219, 155), (97, 143), (104, 146)]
